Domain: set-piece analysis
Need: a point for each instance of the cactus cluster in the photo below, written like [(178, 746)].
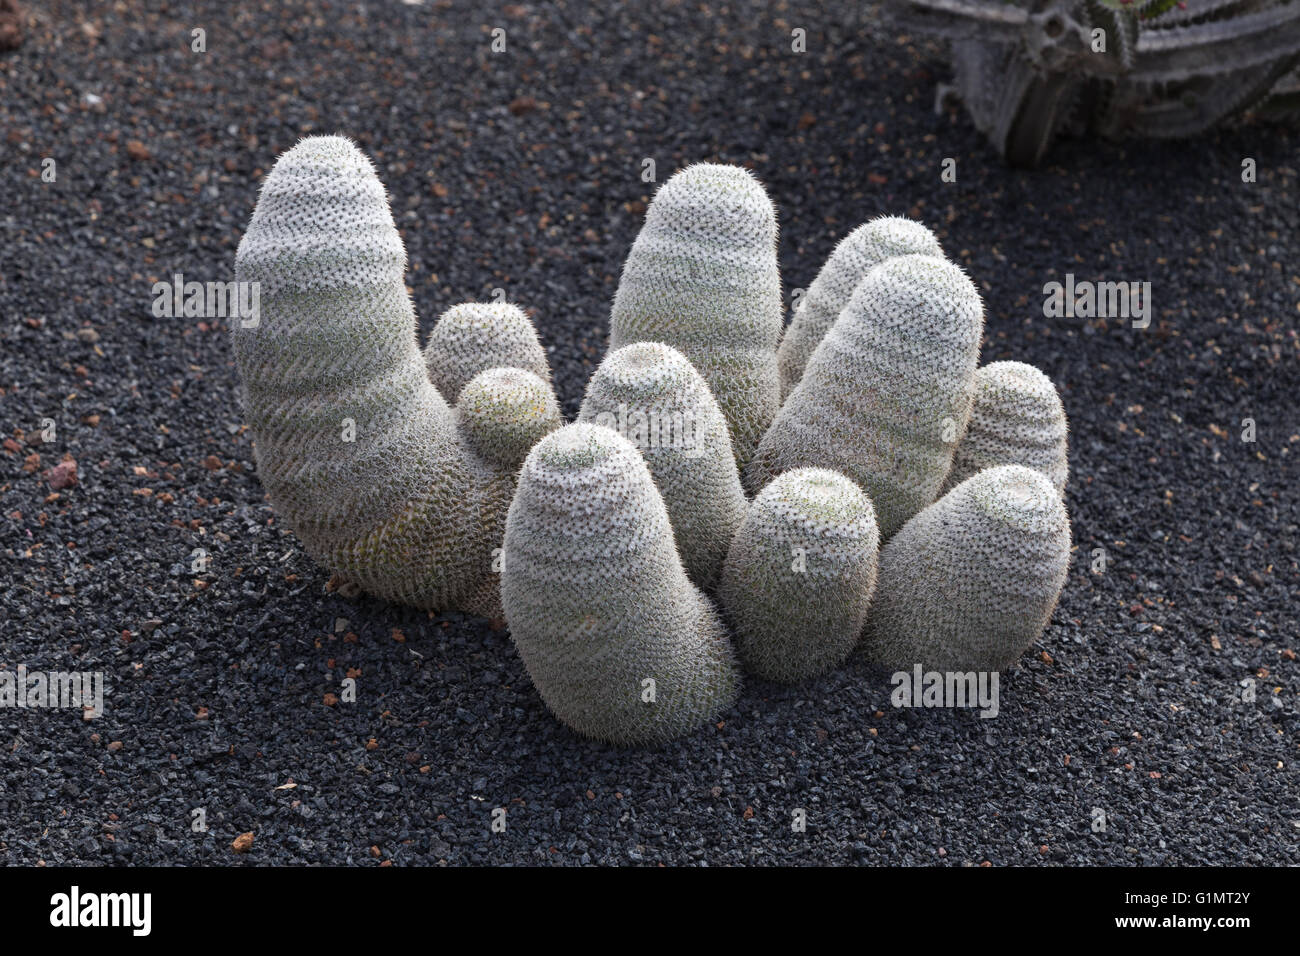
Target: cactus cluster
[(690, 525)]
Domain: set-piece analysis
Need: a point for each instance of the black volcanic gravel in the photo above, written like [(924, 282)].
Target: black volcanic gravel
[(521, 170)]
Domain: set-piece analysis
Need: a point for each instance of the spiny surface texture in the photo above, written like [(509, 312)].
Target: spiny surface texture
[(475, 336), (617, 640), (1017, 419), (972, 580), (356, 448), (655, 398), (800, 575), (888, 392), (702, 277), (853, 257)]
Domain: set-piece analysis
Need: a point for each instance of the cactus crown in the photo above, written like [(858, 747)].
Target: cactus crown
[(820, 500), (852, 259), (702, 277), (1017, 498)]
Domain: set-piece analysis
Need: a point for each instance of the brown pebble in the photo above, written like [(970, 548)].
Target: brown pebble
[(62, 475)]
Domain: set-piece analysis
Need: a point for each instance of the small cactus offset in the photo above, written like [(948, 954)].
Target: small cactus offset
[(619, 643), (653, 396), (971, 581), (853, 257), (504, 412), (475, 336), (1018, 419), (800, 575), (888, 392), (702, 277), (361, 455)]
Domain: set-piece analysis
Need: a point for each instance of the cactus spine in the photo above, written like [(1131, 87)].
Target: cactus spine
[(359, 452), (853, 257), (972, 580), (800, 575), (653, 396), (1018, 419), (619, 643), (888, 392), (702, 277)]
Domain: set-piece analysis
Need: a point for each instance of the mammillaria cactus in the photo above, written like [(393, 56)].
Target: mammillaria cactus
[(888, 392), (972, 580), (504, 412), (617, 640), (607, 543), (1017, 419), (359, 452), (800, 575), (702, 277), (475, 336), (853, 257), (655, 398)]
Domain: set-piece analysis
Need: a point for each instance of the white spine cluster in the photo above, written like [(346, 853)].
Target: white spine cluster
[(702, 277), (475, 336), (800, 575), (1018, 419), (971, 581), (359, 452), (888, 392), (617, 640), (655, 398), (853, 257)]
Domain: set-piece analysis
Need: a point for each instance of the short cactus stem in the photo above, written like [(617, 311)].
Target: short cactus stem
[(619, 643), (853, 257), (655, 398), (1018, 419), (970, 582), (702, 277), (475, 336), (800, 575), (504, 412)]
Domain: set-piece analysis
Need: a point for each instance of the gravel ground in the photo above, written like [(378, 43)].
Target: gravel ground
[(521, 170)]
